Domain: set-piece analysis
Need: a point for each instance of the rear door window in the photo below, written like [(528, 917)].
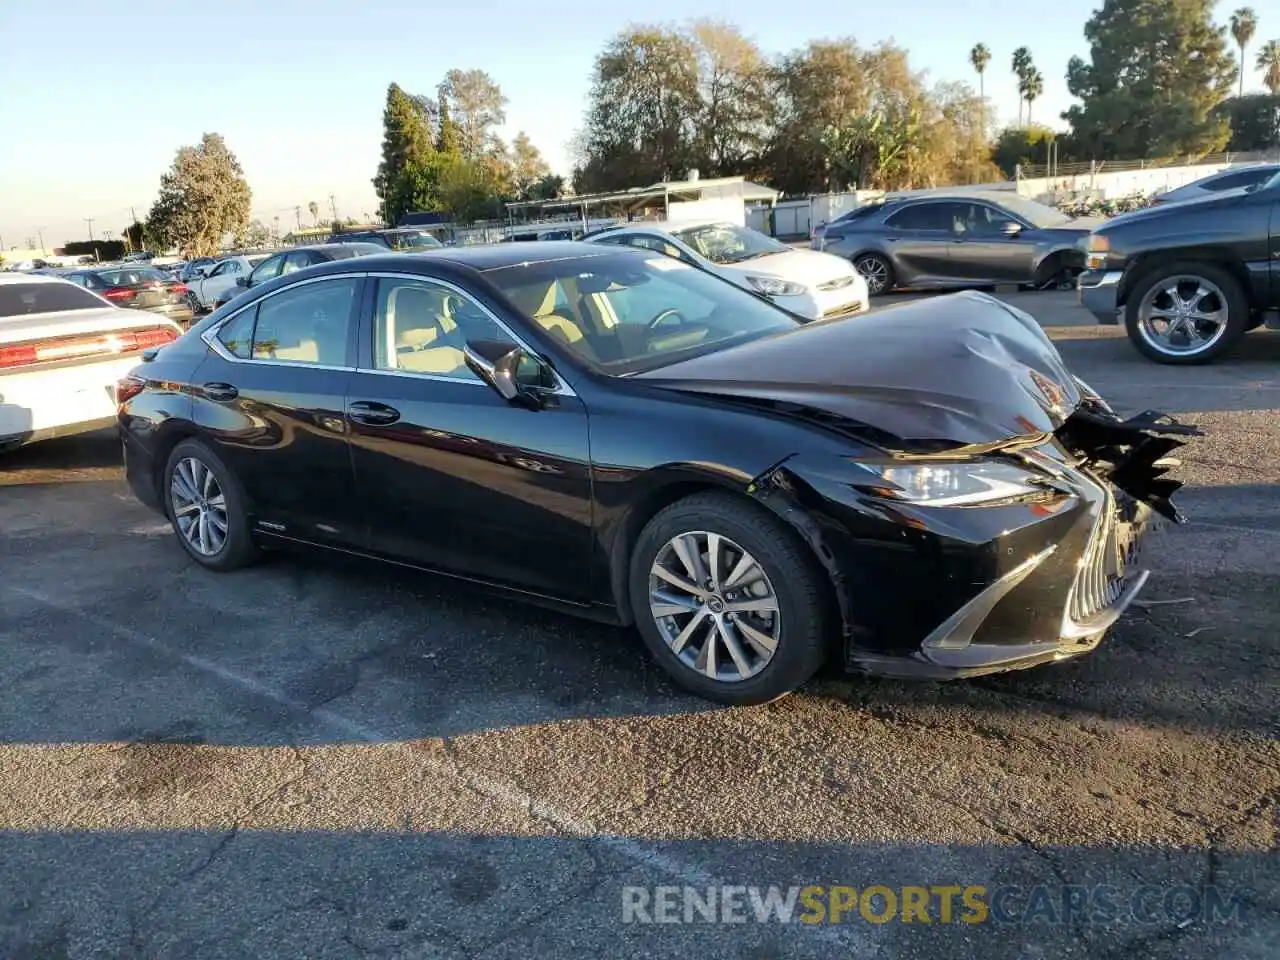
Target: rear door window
[(923, 216)]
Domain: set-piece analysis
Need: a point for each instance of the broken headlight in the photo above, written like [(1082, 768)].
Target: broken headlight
[(956, 484)]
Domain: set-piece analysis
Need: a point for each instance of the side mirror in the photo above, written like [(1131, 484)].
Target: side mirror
[(1011, 228), (497, 364), (242, 281)]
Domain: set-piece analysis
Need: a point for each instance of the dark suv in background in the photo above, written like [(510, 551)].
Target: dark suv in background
[(401, 239), (1188, 280)]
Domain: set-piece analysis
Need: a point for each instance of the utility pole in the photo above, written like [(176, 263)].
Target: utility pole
[(297, 212), (89, 221), (40, 234), (333, 207)]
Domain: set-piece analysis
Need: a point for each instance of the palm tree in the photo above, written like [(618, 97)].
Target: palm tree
[(314, 209), (1031, 88), (980, 56), (1269, 63), (1021, 64), (1244, 22)]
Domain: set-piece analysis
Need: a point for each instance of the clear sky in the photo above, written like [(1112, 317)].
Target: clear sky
[(95, 96)]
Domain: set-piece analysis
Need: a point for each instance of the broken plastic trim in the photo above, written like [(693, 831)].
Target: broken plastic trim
[(1128, 453)]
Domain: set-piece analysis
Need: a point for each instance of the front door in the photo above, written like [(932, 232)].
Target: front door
[(271, 396), (983, 250), (451, 475)]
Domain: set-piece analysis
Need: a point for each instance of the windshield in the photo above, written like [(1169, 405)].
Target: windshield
[(625, 312), (1037, 214), (18, 299), (728, 243)]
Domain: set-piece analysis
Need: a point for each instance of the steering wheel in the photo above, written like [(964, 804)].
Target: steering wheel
[(672, 312)]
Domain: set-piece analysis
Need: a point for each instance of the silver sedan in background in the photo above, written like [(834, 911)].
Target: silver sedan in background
[(962, 239)]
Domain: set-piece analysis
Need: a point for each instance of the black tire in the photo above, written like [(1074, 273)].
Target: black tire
[(1237, 304), (237, 549), (883, 266), (798, 584)]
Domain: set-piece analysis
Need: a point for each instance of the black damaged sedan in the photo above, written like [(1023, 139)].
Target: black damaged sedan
[(926, 491)]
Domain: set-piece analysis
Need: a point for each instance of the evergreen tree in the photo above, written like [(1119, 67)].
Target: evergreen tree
[(407, 153)]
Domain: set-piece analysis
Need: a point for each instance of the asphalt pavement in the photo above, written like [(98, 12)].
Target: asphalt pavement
[(330, 759)]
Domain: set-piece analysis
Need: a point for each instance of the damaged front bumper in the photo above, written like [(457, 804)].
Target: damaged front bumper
[(1119, 467)]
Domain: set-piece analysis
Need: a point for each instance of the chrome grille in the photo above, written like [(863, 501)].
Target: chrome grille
[(1105, 565), (848, 310), (837, 284)]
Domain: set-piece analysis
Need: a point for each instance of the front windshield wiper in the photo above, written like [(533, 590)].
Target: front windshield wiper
[(749, 256)]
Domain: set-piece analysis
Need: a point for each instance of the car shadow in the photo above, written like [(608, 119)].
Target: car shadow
[(413, 655)]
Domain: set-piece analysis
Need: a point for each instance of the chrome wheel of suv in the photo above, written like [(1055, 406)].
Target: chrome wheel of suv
[(1183, 315)]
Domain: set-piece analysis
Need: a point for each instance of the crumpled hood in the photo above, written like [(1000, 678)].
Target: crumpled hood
[(951, 371)]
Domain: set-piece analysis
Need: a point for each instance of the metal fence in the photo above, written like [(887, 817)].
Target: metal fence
[(1032, 171)]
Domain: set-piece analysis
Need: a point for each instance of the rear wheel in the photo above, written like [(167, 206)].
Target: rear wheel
[(206, 507), (1186, 313), (877, 271), (729, 600)]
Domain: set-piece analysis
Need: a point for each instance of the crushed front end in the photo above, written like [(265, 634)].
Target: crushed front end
[(1067, 576)]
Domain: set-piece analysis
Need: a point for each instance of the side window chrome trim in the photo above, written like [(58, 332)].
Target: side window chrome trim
[(210, 336), (562, 387)]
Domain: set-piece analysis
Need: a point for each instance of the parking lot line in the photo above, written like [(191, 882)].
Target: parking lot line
[(500, 792)]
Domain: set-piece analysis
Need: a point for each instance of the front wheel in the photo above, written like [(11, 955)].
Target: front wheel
[(729, 600), (1186, 313)]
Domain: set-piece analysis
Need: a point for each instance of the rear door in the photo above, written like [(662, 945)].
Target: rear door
[(271, 394), (919, 237)]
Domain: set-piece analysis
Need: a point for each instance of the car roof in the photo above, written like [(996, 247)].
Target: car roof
[(499, 255), (480, 258), (20, 277)]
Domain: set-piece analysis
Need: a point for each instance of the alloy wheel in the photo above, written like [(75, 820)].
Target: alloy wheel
[(1183, 315), (199, 507), (875, 272), (714, 606)]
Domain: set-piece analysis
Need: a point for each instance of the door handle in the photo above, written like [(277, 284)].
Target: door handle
[(220, 391), (372, 413)]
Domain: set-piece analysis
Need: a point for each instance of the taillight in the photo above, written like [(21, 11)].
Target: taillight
[(128, 387), (178, 288), (86, 347), (154, 338), (119, 294), (17, 356)]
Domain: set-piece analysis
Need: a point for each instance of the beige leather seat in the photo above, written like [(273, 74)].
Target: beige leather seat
[(540, 304), (442, 361)]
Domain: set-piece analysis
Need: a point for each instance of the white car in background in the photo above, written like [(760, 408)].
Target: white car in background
[(811, 284), (220, 278), (62, 350)]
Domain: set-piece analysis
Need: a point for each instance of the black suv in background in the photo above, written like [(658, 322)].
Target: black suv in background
[(1189, 279), (401, 239)]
